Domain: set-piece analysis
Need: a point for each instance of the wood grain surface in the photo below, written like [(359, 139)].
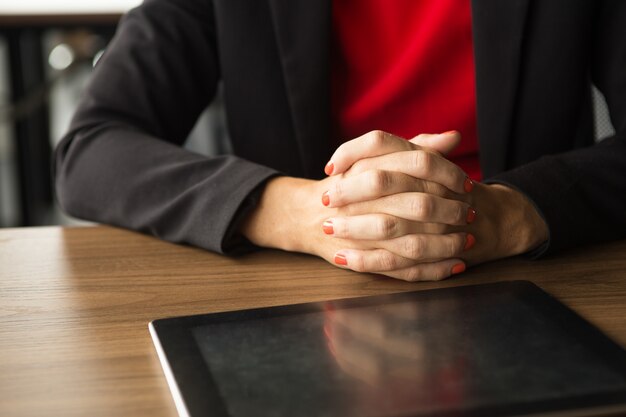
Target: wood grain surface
[(75, 305)]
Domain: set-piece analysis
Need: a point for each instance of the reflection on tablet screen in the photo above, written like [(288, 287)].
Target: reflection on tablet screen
[(426, 356)]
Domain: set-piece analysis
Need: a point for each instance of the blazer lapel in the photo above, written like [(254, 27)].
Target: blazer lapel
[(303, 30), (498, 28)]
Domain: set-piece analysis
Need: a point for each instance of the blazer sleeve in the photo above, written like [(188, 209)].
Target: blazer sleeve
[(122, 162), (582, 194)]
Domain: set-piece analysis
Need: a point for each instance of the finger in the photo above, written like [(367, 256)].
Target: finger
[(399, 252), (391, 265), (419, 207), (378, 227), (435, 271), (420, 163), (369, 145), (377, 183), (372, 260), (429, 247), (368, 227), (443, 143)]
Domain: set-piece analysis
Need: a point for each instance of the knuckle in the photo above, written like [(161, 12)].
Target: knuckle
[(422, 273), (375, 139), (413, 274), (421, 206), (338, 192), (387, 226), (440, 274), (460, 215), (422, 163), (414, 247), (414, 160), (387, 262), (379, 180)]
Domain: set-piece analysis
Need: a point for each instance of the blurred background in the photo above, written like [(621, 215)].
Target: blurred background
[(47, 51)]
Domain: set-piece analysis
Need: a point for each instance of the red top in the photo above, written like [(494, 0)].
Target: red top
[(406, 67)]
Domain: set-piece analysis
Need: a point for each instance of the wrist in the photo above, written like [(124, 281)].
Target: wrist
[(282, 219), (522, 228)]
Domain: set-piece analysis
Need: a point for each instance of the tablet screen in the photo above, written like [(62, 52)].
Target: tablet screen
[(438, 352)]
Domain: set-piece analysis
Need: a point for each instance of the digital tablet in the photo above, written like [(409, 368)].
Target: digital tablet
[(503, 349)]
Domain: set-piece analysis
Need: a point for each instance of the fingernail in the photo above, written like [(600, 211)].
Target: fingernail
[(470, 241), (341, 259), (328, 169), (468, 185), (327, 226), (325, 198), (457, 269), (471, 215), (449, 132)]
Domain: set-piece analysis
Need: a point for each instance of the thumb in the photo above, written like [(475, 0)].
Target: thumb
[(443, 143)]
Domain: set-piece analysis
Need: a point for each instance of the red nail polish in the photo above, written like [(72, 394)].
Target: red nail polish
[(470, 241), (468, 185), (325, 198), (327, 226), (457, 269), (328, 169), (341, 259), (471, 215)]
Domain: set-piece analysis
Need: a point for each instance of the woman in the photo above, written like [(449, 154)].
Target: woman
[(389, 205)]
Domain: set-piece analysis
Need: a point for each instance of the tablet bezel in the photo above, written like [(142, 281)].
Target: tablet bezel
[(196, 394)]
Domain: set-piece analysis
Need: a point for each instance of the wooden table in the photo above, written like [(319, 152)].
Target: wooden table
[(75, 305)]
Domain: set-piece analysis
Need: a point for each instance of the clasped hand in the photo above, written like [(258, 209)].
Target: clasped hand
[(396, 207), (400, 205)]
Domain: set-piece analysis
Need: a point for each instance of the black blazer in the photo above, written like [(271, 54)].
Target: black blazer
[(121, 162)]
